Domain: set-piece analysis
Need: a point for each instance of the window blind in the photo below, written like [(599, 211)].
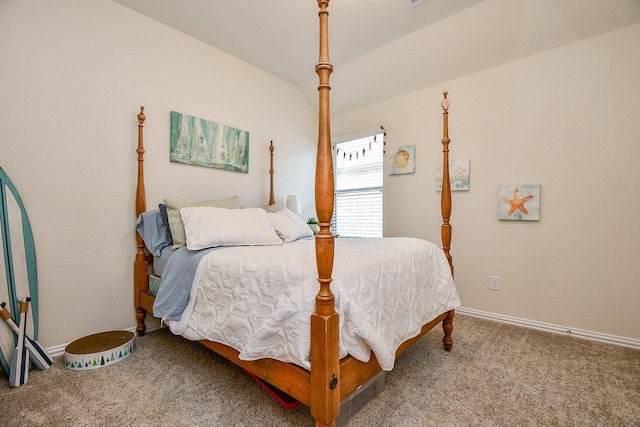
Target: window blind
[(358, 187)]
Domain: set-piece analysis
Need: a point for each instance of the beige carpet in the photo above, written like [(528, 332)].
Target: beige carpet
[(496, 375)]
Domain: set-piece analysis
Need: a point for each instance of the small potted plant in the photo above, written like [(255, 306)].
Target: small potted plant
[(313, 224)]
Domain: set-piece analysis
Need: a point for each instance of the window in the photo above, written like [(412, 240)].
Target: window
[(358, 169)]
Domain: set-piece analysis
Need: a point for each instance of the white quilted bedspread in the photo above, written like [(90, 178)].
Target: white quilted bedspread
[(259, 300)]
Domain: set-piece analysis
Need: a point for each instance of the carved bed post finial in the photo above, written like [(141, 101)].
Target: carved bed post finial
[(446, 184), (141, 116), (445, 102)]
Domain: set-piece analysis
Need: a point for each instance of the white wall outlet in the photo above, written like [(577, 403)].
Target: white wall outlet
[(494, 283)]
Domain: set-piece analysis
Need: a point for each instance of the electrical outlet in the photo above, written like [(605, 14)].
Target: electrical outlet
[(494, 283)]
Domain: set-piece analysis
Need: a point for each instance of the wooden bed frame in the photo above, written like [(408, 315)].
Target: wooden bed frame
[(331, 379)]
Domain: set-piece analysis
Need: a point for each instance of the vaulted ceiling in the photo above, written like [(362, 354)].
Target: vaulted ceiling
[(384, 48)]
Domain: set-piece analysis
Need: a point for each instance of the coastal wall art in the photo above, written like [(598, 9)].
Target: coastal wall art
[(402, 160), (201, 142), (519, 202), (458, 175)]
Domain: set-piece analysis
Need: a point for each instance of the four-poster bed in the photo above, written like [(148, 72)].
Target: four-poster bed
[(327, 375)]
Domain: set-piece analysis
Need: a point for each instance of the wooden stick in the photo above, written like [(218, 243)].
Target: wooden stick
[(19, 367), (37, 353)]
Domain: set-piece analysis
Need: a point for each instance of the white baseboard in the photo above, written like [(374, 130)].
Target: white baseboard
[(57, 351), (556, 329)]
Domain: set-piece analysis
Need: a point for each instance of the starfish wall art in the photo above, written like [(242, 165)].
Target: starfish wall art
[(519, 202), (458, 175)]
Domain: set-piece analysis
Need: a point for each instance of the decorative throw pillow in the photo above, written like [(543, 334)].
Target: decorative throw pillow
[(289, 226), (175, 222), (207, 227), (276, 207), (165, 220)]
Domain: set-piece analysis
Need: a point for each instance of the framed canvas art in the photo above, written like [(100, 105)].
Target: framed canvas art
[(458, 175), (200, 142), (402, 160), (519, 202)]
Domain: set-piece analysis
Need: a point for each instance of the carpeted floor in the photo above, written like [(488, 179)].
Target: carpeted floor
[(496, 375)]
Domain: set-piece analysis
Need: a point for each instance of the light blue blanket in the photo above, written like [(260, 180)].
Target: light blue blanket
[(153, 231), (175, 287)]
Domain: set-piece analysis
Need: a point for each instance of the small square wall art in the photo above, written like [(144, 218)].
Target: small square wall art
[(458, 175), (402, 160), (519, 202)]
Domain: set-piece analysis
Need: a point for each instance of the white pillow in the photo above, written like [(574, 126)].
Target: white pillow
[(173, 214), (207, 227), (289, 225)]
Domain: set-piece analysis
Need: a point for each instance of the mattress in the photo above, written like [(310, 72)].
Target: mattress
[(259, 300)]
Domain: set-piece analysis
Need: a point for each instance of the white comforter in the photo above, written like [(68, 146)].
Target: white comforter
[(259, 300)]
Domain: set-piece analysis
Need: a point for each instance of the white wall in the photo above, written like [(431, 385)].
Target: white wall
[(73, 76), (74, 73), (566, 119)]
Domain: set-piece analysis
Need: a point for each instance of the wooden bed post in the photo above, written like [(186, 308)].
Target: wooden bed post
[(447, 323), (271, 197), (325, 363), (140, 266)]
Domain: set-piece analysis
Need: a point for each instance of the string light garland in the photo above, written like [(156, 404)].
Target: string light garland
[(384, 141), (361, 153)]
